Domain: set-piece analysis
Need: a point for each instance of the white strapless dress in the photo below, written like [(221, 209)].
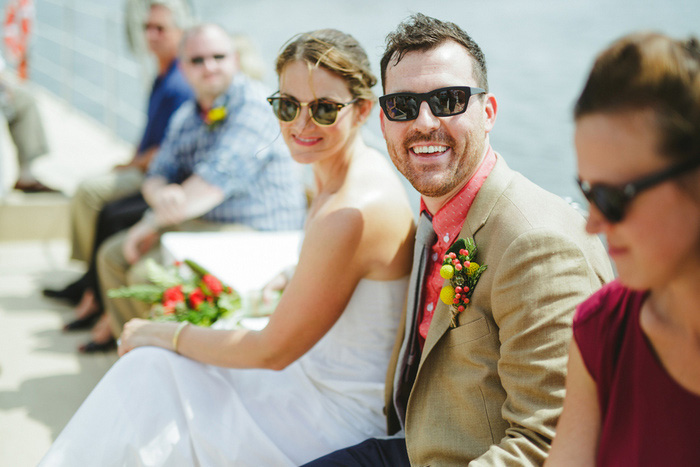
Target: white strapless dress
[(156, 408)]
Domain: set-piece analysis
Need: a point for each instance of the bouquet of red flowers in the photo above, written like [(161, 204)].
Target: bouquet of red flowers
[(179, 294)]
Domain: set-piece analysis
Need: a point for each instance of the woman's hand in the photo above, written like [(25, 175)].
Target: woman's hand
[(137, 332), (271, 290)]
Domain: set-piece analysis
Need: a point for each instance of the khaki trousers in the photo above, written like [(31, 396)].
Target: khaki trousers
[(114, 271), (89, 199), (23, 122)]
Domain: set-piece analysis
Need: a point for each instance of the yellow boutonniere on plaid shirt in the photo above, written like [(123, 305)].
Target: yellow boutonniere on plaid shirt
[(215, 116), (463, 272)]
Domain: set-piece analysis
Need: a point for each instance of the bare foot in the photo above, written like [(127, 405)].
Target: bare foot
[(102, 331), (102, 340), (87, 305)]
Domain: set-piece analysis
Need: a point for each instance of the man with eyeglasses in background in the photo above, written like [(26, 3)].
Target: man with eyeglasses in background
[(221, 166), (162, 28), (477, 381)]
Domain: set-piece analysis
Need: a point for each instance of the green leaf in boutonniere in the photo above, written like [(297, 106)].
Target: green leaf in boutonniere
[(463, 272)]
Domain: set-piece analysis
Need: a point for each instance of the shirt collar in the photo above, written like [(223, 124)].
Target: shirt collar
[(449, 219)]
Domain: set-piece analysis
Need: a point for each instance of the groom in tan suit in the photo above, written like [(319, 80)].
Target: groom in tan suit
[(488, 391)]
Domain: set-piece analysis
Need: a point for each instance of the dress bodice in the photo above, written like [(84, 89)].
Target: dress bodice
[(358, 346)]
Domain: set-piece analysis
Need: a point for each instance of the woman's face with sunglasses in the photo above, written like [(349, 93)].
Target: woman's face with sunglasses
[(651, 223), (316, 110)]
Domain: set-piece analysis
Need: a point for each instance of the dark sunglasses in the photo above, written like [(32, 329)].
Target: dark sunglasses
[(613, 201), (199, 60), (443, 102), (323, 111)]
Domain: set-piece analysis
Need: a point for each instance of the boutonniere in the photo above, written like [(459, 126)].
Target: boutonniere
[(215, 116), (463, 272)]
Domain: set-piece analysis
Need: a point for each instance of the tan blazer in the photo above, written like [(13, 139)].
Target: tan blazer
[(491, 390)]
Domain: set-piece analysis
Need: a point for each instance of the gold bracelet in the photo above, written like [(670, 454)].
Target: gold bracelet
[(176, 336)]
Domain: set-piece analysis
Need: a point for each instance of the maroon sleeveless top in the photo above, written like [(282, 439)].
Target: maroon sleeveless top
[(647, 419)]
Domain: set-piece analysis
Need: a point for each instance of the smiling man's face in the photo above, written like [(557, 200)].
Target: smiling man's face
[(437, 155)]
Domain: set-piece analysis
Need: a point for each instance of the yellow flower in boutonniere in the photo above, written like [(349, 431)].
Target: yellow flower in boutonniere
[(215, 116), (459, 267)]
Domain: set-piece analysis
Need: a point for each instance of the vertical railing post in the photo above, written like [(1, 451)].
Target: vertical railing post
[(67, 51), (110, 100)]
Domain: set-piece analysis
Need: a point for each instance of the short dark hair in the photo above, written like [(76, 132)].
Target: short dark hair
[(422, 33), (650, 71)]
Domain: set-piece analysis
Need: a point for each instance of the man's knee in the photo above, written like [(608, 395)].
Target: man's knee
[(110, 255), (88, 193)]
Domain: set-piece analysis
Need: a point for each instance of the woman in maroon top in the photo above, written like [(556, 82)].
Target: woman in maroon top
[(633, 388)]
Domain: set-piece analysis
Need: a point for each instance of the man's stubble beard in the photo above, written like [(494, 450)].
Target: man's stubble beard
[(440, 181)]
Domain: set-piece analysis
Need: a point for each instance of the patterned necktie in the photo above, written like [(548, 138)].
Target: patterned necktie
[(407, 366)]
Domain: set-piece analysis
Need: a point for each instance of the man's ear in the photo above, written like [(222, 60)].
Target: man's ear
[(382, 122), (490, 110)]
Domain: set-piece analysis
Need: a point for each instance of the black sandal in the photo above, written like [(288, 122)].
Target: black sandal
[(94, 347), (72, 292), (83, 323)]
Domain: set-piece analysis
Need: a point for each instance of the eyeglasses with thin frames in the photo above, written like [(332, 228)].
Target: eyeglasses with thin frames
[(323, 112), (159, 28), (200, 59)]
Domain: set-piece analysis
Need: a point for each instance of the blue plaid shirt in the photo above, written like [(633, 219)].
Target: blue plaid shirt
[(244, 155)]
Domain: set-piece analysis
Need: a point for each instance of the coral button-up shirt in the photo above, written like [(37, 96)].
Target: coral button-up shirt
[(447, 223)]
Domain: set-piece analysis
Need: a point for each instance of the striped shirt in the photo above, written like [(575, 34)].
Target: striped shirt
[(244, 155)]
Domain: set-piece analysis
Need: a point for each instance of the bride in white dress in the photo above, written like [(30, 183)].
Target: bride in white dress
[(312, 380)]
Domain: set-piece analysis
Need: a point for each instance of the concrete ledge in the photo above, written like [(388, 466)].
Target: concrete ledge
[(36, 216)]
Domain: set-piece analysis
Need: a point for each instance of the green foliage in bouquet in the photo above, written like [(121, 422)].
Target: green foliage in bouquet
[(179, 294)]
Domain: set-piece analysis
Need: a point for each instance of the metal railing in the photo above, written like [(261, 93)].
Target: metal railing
[(79, 53)]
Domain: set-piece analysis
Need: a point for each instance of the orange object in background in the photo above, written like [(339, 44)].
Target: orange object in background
[(19, 15)]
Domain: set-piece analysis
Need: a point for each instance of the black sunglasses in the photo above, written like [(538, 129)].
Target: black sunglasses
[(613, 201), (323, 111), (443, 102)]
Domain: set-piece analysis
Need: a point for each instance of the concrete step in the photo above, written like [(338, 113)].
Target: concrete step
[(35, 216), (80, 148)]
